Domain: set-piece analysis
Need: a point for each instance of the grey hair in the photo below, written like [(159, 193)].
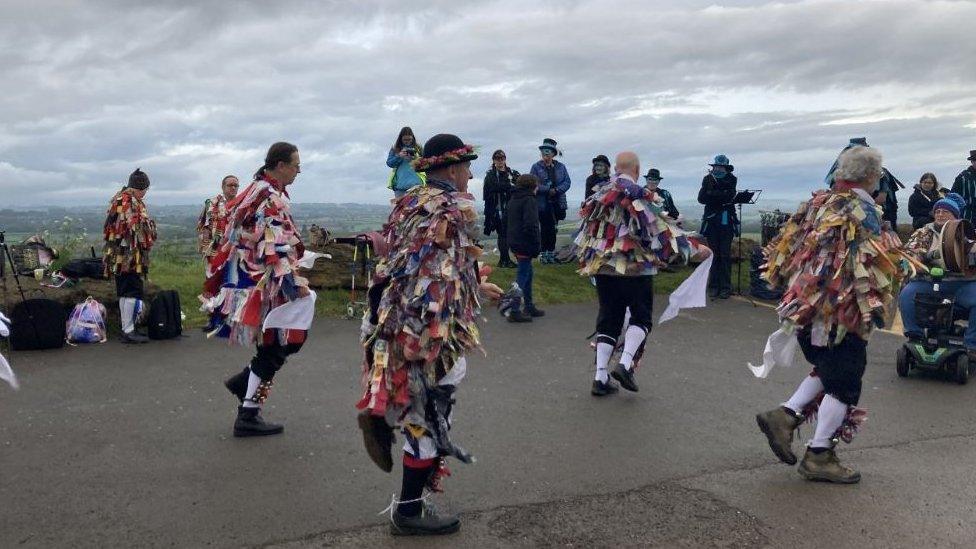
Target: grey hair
[(859, 165)]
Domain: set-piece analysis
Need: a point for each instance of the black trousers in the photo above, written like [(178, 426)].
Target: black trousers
[(503, 239), (547, 228), (839, 366), (129, 285), (618, 293), (269, 358), (720, 241)]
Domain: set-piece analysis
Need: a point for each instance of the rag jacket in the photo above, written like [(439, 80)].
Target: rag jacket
[(129, 235), (212, 224)]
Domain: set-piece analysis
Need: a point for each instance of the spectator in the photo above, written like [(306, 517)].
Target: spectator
[(926, 194), (524, 238), (887, 187), (499, 184), (965, 185), (600, 175), (551, 196), (401, 157), (653, 180), (719, 223)]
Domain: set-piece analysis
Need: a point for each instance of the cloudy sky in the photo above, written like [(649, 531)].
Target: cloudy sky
[(192, 91)]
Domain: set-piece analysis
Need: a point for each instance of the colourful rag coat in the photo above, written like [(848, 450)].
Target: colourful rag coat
[(212, 224), (427, 292), (841, 266), (129, 235), (625, 231), (254, 268)]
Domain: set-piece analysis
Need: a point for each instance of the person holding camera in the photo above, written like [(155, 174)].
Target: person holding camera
[(404, 151), (498, 187), (554, 182), (129, 236)]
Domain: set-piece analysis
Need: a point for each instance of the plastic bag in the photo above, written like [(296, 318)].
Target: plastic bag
[(87, 323)]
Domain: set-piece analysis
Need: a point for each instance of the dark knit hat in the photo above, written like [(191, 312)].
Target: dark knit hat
[(952, 203), (602, 158), (444, 150), (138, 180)]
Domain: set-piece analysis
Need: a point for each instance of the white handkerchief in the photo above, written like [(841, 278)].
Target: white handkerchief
[(780, 350), (691, 293), (308, 259), (294, 315), (7, 373)]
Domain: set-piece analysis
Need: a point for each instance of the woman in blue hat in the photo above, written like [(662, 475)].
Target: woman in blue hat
[(719, 225), (551, 196)]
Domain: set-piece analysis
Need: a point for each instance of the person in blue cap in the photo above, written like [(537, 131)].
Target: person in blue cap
[(720, 224), (926, 245), (554, 182), (887, 187)]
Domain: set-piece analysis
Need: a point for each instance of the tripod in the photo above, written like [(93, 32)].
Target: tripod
[(741, 198), (7, 258)]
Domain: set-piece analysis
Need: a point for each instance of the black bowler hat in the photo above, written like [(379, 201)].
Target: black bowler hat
[(653, 174), (444, 150), (972, 155), (602, 158)]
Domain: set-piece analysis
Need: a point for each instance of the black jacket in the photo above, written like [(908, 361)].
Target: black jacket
[(920, 206), (592, 182), (523, 223), (717, 195), (497, 189)]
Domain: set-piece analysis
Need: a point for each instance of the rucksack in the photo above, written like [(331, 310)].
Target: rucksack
[(165, 316), (85, 268), (37, 324), (86, 324)]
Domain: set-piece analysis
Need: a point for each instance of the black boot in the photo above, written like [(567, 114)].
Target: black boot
[(415, 517), (625, 377), (534, 311), (604, 388), (249, 423), (237, 384), (518, 316)]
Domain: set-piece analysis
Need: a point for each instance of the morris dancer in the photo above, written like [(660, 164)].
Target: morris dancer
[(423, 306), (254, 272), (624, 237), (839, 262), (212, 223), (129, 236)]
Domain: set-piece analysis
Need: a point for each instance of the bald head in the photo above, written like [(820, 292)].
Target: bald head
[(628, 163)]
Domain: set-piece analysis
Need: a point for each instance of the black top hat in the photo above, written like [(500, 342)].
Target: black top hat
[(549, 143), (138, 180), (855, 141), (443, 150), (653, 174), (972, 155), (603, 159)]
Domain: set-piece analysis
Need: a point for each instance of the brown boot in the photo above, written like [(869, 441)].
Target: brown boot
[(778, 425), (825, 467)]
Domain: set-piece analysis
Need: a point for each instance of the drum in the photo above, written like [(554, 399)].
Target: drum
[(958, 237)]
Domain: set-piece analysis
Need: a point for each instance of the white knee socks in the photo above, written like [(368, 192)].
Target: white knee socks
[(632, 341), (128, 309), (252, 386), (809, 388), (603, 352), (829, 418)]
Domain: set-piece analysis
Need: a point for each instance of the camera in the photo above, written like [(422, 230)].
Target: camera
[(412, 151)]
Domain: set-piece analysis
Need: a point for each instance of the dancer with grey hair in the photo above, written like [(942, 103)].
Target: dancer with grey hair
[(830, 313)]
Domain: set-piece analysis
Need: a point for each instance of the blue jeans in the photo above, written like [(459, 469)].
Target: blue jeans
[(965, 295), (523, 277)]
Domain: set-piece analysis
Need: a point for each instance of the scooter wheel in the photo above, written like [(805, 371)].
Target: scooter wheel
[(962, 369), (902, 365)]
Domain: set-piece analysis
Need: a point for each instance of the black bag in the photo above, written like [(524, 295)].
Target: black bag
[(37, 324), (92, 267), (165, 320)]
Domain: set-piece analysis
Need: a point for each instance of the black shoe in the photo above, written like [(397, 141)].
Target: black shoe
[(518, 316), (535, 313), (378, 439), (427, 523), (625, 377), (601, 388), (713, 292), (133, 338), (249, 423), (724, 294), (237, 384), (507, 264)]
